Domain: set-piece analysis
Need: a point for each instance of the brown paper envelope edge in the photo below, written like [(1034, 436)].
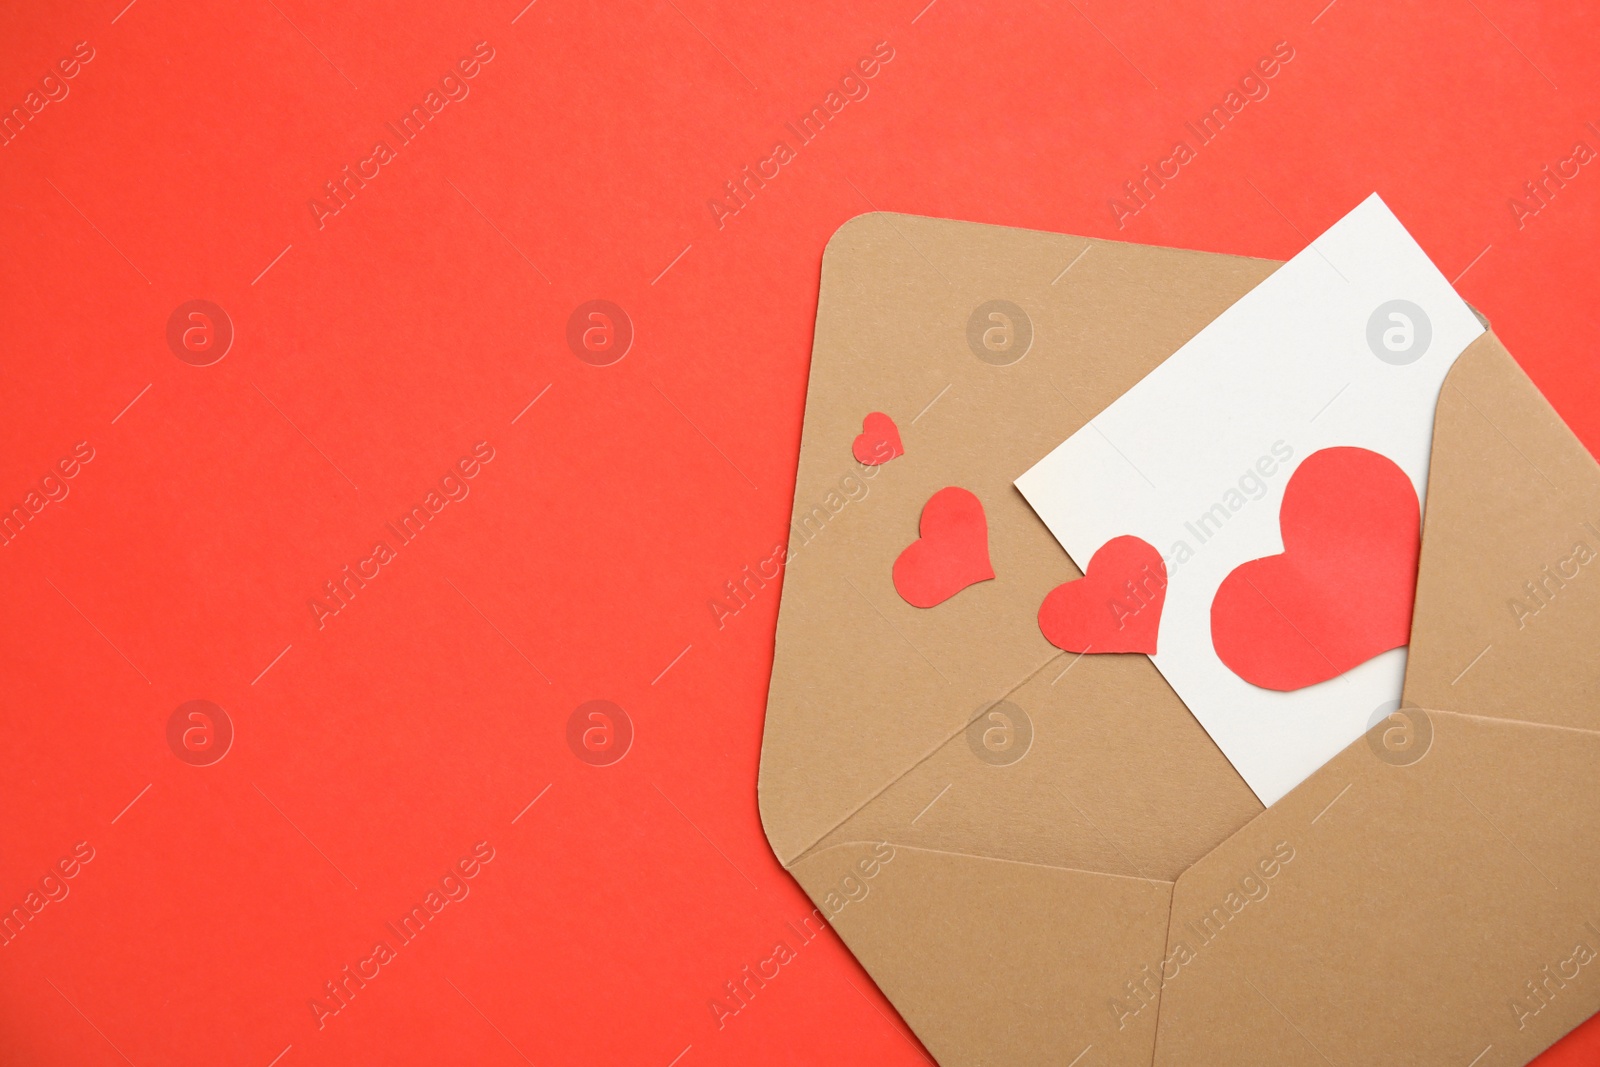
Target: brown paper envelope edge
[(1442, 902), (977, 954), (1083, 870)]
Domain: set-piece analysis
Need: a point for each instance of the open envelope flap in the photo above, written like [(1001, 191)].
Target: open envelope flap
[(1094, 787), (1508, 599), (1431, 895)]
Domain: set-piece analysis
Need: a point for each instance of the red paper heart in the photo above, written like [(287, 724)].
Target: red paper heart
[(1115, 606), (1341, 591), (951, 554), (879, 440)]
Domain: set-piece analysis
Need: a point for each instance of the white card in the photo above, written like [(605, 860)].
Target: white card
[(1346, 344)]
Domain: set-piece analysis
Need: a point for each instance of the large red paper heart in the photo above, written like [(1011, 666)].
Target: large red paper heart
[(951, 554), (879, 440), (1115, 606), (1341, 590)]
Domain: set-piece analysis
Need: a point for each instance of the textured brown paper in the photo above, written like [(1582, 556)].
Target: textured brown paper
[(1418, 883)]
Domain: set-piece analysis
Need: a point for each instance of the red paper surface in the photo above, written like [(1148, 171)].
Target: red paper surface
[(371, 354), (1116, 605), (879, 440), (1341, 590), (951, 553)]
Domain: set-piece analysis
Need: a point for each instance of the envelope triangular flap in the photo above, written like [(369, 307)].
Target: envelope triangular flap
[(1508, 595)]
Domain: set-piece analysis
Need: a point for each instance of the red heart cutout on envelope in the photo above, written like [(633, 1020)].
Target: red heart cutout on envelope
[(951, 554), (1341, 590), (1115, 606), (879, 440)]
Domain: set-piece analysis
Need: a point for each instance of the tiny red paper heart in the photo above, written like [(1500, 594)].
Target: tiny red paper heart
[(951, 554), (879, 440), (1115, 606), (1341, 590)]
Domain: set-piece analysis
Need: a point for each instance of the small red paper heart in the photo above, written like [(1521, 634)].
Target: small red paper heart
[(1341, 590), (879, 440), (1115, 606), (951, 554)]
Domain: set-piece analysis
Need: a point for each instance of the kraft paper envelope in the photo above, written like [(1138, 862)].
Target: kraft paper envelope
[(1042, 858)]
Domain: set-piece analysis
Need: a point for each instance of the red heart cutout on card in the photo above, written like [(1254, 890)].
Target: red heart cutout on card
[(1341, 590), (951, 554), (1115, 606), (879, 440)]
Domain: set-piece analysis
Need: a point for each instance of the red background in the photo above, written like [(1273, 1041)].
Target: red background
[(423, 318)]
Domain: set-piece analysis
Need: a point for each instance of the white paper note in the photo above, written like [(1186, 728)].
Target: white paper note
[(1347, 344)]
